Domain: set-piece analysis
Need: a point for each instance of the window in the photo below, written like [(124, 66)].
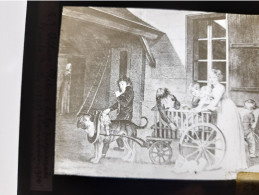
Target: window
[(210, 51)]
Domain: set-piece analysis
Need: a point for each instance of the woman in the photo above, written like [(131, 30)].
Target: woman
[(228, 121), (64, 101)]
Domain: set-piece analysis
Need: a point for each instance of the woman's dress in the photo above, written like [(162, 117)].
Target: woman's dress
[(228, 121), (64, 101)]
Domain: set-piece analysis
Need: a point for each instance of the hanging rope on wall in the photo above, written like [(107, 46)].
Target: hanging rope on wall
[(95, 87)]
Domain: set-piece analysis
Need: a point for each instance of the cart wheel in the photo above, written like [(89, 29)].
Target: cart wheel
[(160, 152), (203, 140)]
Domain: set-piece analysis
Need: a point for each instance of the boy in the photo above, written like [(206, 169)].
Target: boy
[(125, 96), (248, 119), (124, 107)]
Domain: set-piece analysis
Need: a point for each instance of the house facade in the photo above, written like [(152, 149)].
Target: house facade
[(228, 42), (102, 44)]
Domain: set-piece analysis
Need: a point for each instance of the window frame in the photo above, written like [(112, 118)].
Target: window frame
[(192, 44)]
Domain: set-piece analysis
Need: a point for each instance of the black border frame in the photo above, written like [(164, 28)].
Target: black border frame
[(37, 119)]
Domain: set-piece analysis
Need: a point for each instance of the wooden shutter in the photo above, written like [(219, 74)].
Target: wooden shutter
[(243, 36)]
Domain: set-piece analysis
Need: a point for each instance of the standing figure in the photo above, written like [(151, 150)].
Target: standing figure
[(64, 97), (124, 107), (228, 121), (248, 119)]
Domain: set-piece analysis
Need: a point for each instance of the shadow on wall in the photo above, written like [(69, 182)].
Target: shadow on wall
[(169, 73), (168, 63)]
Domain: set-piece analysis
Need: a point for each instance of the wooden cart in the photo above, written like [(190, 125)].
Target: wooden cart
[(196, 135)]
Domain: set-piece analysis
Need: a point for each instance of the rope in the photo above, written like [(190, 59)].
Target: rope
[(99, 83), (85, 99), (92, 87)]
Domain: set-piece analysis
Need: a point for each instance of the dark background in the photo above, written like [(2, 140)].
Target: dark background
[(37, 126)]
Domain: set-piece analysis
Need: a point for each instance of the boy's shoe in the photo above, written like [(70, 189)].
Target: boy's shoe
[(252, 156), (118, 149)]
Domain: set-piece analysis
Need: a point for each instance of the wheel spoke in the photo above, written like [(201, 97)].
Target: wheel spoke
[(160, 147), (197, 137), (212, 142), (157, 148), (160, 152), (212, 148), (191, 154), (209, 152), (202, 133), (198, 156), (189, 146), (163, 158), (192, 139), (207, 158), (208, 138), (165, 149), (154, 148), (155, 156)]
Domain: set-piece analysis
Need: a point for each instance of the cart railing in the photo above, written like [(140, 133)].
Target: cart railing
[(183, 119)]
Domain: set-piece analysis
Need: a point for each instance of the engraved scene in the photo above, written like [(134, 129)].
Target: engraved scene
[(149, 93)]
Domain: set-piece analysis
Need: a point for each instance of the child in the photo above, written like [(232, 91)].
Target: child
[(124, 107), (201, 96), (195, 91), (165, 101), (248, 119), (124, 97)]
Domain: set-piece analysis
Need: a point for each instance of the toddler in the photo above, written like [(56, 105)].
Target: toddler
[(201, 96)]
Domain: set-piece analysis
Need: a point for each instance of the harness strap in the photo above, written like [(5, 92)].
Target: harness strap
[(138, 140)]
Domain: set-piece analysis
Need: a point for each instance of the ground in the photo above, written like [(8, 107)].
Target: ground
[(73, 153)]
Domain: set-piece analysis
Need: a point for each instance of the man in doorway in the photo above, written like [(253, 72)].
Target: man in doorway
[(124, 107)]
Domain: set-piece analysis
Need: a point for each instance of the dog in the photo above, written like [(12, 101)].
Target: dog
[(116, 128)]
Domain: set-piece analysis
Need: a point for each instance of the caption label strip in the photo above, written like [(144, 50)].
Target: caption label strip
[(42, 161), (247, 183)]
